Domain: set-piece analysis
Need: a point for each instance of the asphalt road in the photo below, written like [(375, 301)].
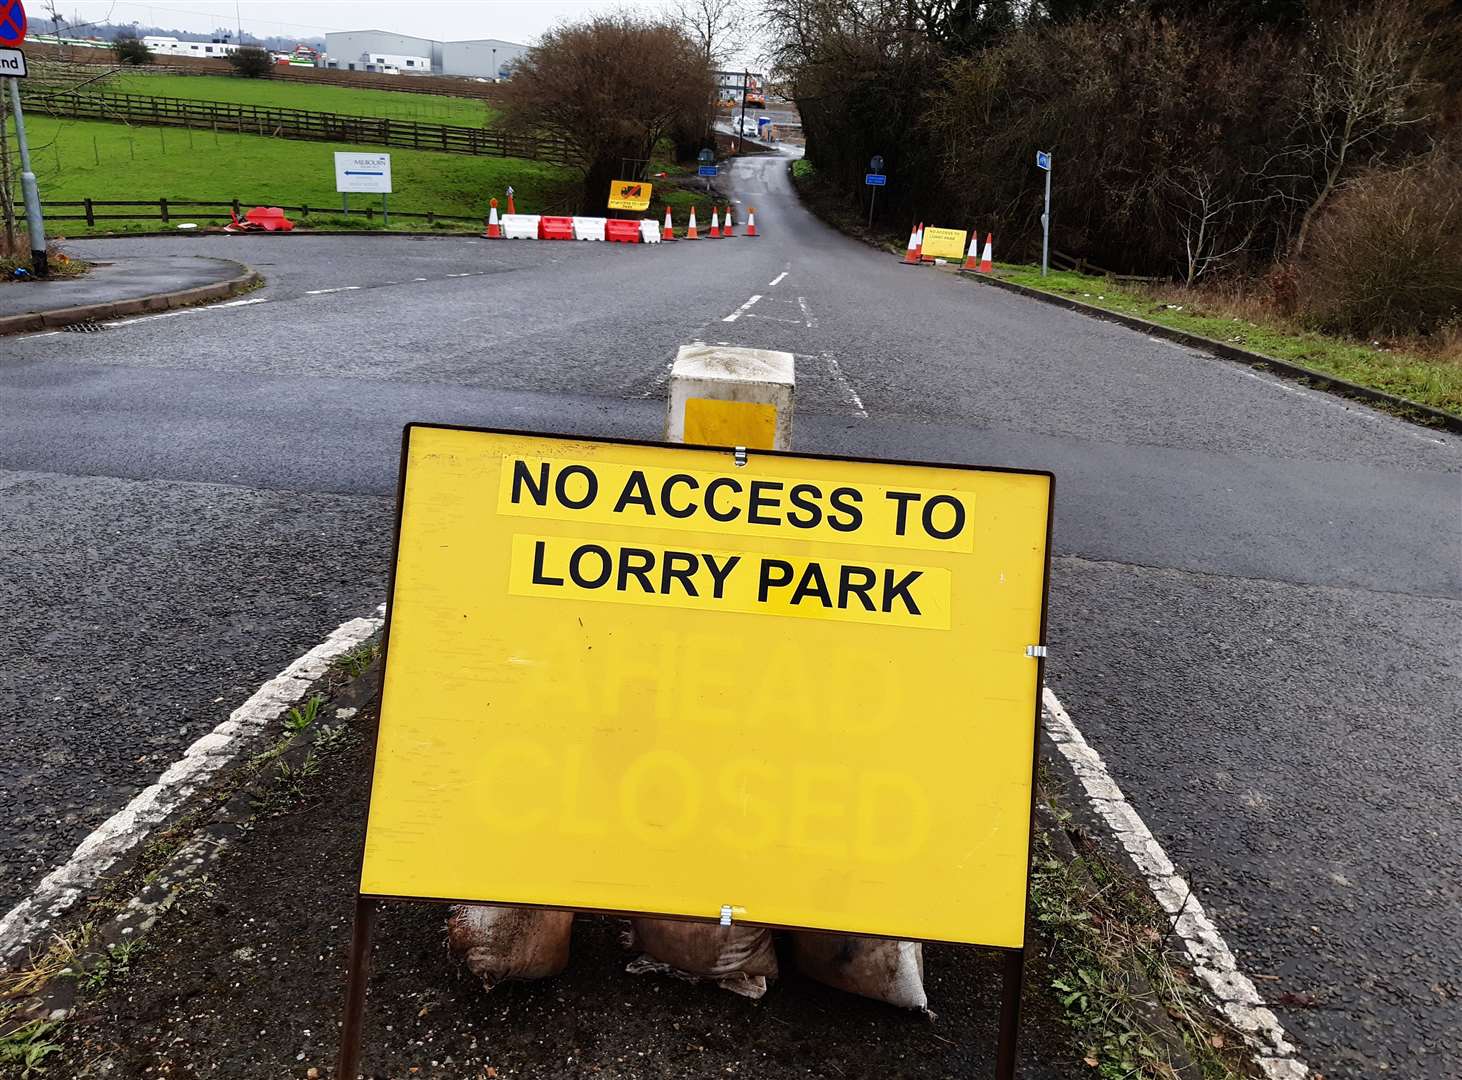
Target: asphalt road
[(1257, 600)]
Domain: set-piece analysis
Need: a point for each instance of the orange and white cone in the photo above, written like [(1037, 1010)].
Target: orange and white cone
[(494, 230), (971, 256), (986, 265), (511, 208), (751, 222), (911, 255), (730, 230), (715, 225), (690, 233), (667, 233)]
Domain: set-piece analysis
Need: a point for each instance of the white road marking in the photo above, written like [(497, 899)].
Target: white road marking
[(418, 279), (845, 385), (776, 279), (125, 829), (237, 303), (806, 314), (1213, 961), (145, 318), (342, 288), (742, 309), (467, 274), (773, 318), (46, 333)]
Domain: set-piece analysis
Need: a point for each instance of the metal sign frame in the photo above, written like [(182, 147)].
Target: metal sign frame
[(367, 906)]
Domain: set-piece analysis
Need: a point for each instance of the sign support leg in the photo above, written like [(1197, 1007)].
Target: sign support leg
[(872, 201), (1011, 984), (1046, 226), (34, 225), (355, 988), (385, 210)]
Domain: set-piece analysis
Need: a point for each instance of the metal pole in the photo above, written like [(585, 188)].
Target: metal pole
[(385, 211), (1046, 219), (1011, 983), (872, 199), (33, 220), (345, 203), (741, 134), (355, 988)]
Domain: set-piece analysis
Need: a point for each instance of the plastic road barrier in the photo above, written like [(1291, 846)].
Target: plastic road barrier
[(555, 228), (589, 228), (520, 226), (622, 232), (650, 232)]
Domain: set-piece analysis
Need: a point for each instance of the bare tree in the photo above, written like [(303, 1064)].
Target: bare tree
[(1205, 214), (1358, 93), (717, 26)]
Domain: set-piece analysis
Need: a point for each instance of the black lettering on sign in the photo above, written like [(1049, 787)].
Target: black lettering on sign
[(606, 565), (812, 583), (679, 566), (856, 581), (900, 589), (775, 574), (635, 563), (957, 522), (846, 499), (688, 510), (902, 498), (537, 492), (718, 573), (760, 501), (539, 577), (636, 493), (803, 497), (716, 485), (591, 487)]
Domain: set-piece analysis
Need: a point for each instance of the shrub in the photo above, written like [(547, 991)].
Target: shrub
[(1386, 257), (129, 49), (251, 61)]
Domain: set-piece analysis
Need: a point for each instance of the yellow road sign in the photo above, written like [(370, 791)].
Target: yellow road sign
[(643, 678), (629, 195), (945, 243)]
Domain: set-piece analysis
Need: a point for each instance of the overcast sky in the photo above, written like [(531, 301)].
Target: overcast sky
[(509, 20)]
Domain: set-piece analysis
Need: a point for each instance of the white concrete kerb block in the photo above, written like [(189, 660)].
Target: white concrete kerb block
[(726, 373)]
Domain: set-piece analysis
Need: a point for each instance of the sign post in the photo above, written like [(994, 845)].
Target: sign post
[(875, 180), (567, 714), (370, 173), (12, 66), (707, 169), (1043, 161)]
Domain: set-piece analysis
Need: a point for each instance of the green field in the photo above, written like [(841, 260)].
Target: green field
[(76, 159), (317, 97)]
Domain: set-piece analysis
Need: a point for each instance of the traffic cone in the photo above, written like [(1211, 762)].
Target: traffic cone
[(511, 208), (751, 222), (494, 230), (986, 266), (667, 233), (970, 259), (911, 255), (690, 233), (730, 231), (715, 224)]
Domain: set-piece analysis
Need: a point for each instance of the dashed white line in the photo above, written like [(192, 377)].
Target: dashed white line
[(62, 887), (742, 310), (1213, 961), (776, 279), (845, 385), (467, 274), (806, 314), (237, 303), (342, 288)]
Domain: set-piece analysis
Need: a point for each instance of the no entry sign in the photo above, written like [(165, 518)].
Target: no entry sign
[(631, 677)]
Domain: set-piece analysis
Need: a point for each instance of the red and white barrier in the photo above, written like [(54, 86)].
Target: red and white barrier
[(622, 232), (589, 228), (520, 226), (650, 232), (555, 228)]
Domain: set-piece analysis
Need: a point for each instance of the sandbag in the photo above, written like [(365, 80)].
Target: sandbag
[(891, 971), (737, 958), (500, 943)]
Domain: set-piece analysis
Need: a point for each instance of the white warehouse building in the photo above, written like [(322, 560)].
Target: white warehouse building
[(381, 50), (171, 46)]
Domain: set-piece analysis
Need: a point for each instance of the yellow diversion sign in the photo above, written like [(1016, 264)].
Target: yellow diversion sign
[(629, 195), (658, 679)]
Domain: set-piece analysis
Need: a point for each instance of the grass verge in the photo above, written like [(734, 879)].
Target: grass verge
[(1422, 374), (831, 204), (79, 159)]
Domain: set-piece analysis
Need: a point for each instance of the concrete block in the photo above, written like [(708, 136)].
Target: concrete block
[(726, 396)]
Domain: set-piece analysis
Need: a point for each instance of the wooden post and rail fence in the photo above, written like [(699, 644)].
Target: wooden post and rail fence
[(166, 209)]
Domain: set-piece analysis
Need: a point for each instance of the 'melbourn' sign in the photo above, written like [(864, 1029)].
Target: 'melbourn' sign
[(678, 681)]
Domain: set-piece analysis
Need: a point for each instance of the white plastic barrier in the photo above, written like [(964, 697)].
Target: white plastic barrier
[(520, 226), (649, 231), (589, 228)]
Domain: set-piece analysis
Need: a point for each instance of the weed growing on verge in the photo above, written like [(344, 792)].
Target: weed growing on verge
[(356, 660), (300, 717), (115, 963), (25, 1047)]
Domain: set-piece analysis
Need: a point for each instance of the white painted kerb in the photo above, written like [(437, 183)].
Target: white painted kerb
[(726, 373)]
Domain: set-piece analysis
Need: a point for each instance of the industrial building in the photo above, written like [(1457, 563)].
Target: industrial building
[(171, 46), (380, 50)]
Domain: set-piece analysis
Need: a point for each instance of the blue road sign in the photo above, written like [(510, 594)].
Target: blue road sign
[(12, 24), (874, 179), (1043, 160), (709, 170)]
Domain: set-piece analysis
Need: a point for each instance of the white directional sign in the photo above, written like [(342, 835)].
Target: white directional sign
[(369, 173), (12, 63)]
